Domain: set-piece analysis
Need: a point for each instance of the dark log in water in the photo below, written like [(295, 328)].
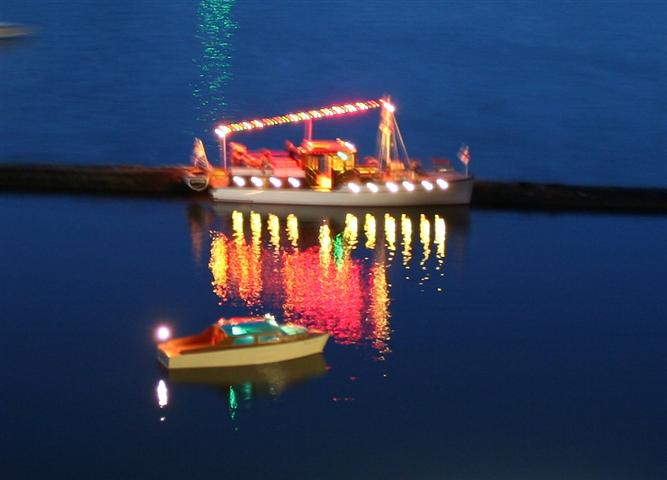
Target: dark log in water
[(137, 180)]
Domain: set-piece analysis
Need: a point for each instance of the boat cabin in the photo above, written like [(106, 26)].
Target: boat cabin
[(327, 160)]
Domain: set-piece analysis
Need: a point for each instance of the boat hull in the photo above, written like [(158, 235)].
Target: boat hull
[(458, 193), (251, 355)]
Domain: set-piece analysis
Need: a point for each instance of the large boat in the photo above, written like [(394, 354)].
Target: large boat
[(328, 172), (240, 341)]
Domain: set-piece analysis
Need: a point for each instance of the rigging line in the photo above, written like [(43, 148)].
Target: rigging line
[(402, 143)]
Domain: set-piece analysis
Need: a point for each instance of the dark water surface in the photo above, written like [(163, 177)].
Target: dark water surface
[(465, 344)]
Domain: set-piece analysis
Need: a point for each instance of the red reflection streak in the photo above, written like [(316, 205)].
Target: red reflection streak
[(324, 296)]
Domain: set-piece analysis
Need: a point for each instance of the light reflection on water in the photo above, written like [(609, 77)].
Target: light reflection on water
[(214, 32), (330, 272)]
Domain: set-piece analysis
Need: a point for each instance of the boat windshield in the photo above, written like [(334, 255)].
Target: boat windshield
[(250, 328), (292, 329)]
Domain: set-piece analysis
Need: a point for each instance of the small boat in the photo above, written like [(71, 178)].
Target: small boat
[(328, 172), (10, 31), (240, 341)]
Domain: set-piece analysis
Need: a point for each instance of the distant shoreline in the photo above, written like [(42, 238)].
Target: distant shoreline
[(168, 181)]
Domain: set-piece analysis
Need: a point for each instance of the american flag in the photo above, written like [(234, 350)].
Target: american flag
[(464, 154)]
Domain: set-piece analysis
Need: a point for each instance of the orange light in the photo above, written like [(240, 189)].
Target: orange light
[(334, 110)]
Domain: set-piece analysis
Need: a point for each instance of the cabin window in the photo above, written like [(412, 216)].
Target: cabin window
[(244, 340), (268, 339)]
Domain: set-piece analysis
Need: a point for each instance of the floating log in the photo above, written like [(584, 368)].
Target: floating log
[(168, 181)]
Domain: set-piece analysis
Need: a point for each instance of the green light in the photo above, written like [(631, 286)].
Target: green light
[(338, 250), (233, 404)]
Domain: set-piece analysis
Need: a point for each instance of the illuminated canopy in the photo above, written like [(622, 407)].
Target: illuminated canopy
[(332, 111)]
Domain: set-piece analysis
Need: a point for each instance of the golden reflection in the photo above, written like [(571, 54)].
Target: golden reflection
[(425, 238), (273, 226), (406, 231), (379, 307), (440, 238), (350, 233), (390, 234), (325, 246), (219, 265), (293, 229), (370, 229)]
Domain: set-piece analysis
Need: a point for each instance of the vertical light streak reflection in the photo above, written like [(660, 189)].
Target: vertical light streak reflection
[(233, 403), (425, 238), (215, 31), (390, 234), (219, 265), (350, 233), (370, 229), (273, 227), (292, 226), (406, 231), (379, 308), (162, 394), (325, 246), (440, 239)]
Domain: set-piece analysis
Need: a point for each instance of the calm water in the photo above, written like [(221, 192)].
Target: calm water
[(465, 344)]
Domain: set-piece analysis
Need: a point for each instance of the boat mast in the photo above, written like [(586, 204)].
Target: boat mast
[(385, 137)]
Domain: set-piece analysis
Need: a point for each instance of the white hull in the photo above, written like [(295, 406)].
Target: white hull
[(251, 355), (458, 193)]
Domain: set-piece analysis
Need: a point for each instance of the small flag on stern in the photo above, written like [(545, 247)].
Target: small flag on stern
[(198, 156), (464, 154)]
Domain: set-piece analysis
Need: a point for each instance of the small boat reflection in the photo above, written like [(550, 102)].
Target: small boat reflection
[(268, 380)]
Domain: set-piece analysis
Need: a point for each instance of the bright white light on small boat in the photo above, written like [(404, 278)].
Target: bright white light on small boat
[(372, 187), (408, 186), (163, 333), (294, 182), (342, 155), (256, 181), (427, 185), (162, 394), (354, 187), (239, 181), (392, 187), (276, 182), (442, 184)]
